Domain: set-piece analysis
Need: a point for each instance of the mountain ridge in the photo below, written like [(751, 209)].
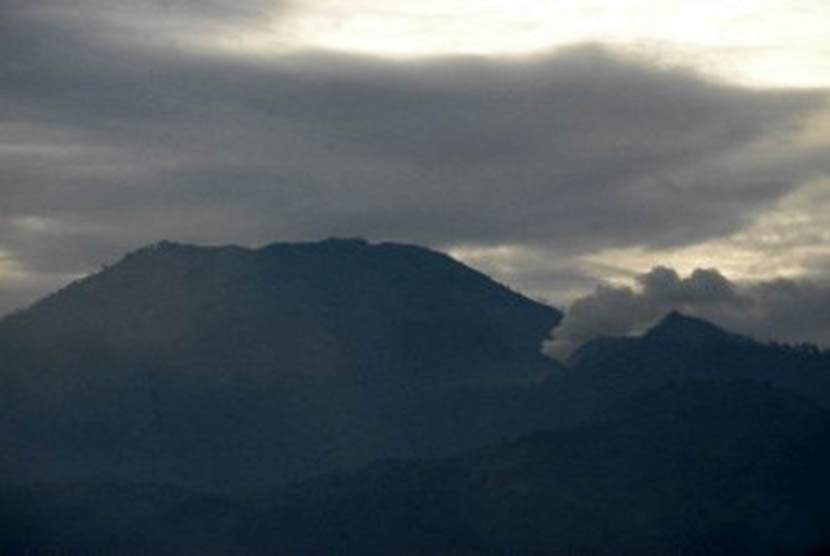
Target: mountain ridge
[(341, 396)]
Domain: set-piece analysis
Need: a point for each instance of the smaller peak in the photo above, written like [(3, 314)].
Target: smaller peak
[(677, 327)]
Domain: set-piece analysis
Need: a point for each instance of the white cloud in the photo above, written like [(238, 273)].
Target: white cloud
[(782, 310)]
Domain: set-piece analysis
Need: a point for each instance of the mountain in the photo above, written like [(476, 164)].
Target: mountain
[(224, 366), (330, 305), (606, 370), (677, 329), (229, 400), (705, 467)]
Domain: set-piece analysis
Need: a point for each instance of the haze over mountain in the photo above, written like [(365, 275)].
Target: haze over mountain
[(705, 467)]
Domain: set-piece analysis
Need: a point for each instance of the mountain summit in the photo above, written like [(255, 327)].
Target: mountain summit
[(677, 328), (333, 307)]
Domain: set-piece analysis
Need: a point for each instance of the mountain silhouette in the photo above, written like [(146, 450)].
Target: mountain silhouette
[(356, 398), (223, 365), (679, 329), (680, 348)]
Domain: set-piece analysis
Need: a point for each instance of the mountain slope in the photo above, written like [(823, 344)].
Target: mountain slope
[(346, 296), (215, 366)]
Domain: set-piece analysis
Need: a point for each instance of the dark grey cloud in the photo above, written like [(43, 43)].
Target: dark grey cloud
[(144, 21), (118, 137), (784, 310)]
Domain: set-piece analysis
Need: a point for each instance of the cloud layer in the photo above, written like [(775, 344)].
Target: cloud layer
[(114, 134), (784, 310)]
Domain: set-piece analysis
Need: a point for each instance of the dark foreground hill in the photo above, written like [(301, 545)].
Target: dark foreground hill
[(701, 468), (226, 366)]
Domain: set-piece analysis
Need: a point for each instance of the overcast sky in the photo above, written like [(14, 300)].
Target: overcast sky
[(554, 145)]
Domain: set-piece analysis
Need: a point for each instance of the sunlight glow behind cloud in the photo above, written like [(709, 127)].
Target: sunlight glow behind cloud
[(766, 42), (777, 245)]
